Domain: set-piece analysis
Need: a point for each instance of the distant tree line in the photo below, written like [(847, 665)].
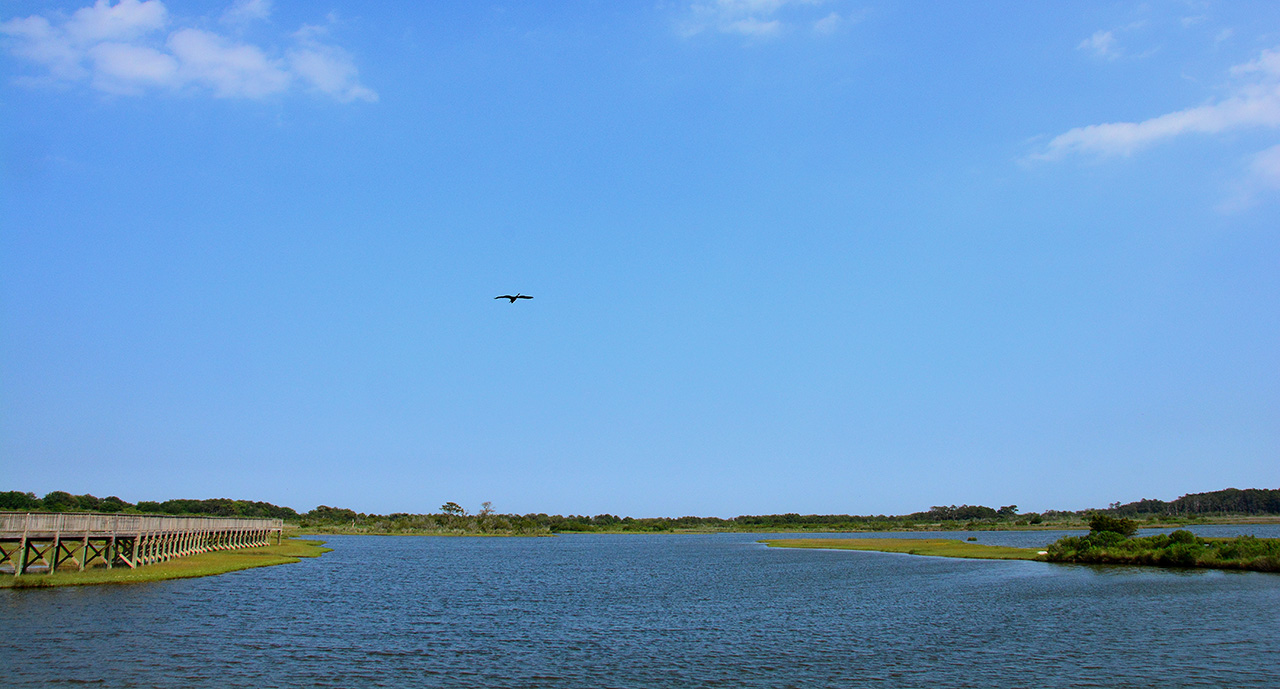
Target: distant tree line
[(453, 518), (1251, 501), (61, 501)]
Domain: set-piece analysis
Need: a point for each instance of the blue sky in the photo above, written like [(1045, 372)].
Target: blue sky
[(830, 257)]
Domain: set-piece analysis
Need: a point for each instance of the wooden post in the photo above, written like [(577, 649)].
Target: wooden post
[(57, 545), (20, 567), (113, 548)]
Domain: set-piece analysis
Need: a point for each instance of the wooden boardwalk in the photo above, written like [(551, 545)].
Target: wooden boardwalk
[(48, 542)]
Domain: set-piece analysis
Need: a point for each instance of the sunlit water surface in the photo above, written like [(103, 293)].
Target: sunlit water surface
[(654, 611)]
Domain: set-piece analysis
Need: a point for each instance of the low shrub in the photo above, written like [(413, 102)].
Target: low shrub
[(1178, 549)]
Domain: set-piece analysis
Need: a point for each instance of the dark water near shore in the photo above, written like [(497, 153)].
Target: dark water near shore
[(654, 611)]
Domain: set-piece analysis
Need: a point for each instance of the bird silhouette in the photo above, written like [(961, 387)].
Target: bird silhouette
[(512, 297)]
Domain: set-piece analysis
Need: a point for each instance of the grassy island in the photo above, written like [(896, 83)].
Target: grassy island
[(200, 565), (1112, 541), (937, 547)]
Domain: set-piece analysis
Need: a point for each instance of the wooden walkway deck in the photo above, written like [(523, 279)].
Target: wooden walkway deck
[(48, 542)]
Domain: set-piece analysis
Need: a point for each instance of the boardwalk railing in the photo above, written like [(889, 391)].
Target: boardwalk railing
[(52, 541)]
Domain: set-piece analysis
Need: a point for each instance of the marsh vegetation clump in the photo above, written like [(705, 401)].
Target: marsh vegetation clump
[(1111, 541)]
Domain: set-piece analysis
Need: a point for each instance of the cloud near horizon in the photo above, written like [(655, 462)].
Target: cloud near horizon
[(128, 49)]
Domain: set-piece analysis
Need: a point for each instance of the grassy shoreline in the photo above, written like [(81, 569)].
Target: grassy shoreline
[(200, 565)]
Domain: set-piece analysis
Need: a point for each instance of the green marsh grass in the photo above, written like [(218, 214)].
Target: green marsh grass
[(936, 547)]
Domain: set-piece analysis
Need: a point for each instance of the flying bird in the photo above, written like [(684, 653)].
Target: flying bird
[(513, 297)]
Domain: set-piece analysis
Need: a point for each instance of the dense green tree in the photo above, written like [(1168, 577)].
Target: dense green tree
[(87, 503), (1100, 522), (114, 504), (330, 515), (17, 500), (943, 513), (60, 501)]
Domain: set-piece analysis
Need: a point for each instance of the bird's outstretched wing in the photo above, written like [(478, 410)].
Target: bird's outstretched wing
[(523, 296), (504, 296)]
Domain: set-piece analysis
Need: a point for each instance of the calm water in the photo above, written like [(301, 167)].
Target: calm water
[(653, 611)]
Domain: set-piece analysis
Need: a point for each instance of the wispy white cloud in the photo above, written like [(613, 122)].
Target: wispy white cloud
[(37, 40), (1101, 44), (133, 47), (1253, 101), (761, 18), (1267, 65), (828, 24), (246, 12), (1266, 167), (835, 23), (129, 69), (124, 21), (326, 68), (754, 26), (229, 69), (1117, 42), (1261, 177)]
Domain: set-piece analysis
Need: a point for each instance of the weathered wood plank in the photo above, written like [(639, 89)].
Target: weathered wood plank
[(52, 540)]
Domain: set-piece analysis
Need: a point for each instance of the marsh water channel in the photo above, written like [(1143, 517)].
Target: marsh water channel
[(654, 611)]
